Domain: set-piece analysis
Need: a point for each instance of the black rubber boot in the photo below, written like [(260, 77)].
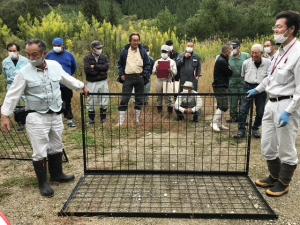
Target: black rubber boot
[(281, 187), (91, 116), (103, 115), (159, 109), (40, 168), (55, 169), (196, 117), (274, 169), (170, 110)]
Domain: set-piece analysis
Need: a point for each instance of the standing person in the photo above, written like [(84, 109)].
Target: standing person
[(222, 73), (281, 118), (189, 66), (12, 63), (147, 87), (96, 67), (188, 104), (10, 67), (134, 71), (68, 63), (164, 76), (173, 54), (269, 49), (254, 70), (39, 82), (236, 81)]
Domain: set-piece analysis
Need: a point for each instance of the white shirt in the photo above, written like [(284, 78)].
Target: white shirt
[(173, 66), (285, 79), (252, 74), (18, 86), (187, 98)]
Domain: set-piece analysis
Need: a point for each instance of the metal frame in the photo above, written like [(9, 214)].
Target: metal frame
[(123, 174)]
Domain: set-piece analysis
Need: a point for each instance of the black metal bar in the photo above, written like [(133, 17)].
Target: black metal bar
[(83, 127), (249, 137)]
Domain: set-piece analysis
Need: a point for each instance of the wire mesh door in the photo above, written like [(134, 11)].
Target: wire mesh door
[(160, 159)]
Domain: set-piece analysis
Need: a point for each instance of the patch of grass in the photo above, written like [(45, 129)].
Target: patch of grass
[(4, 193), (20, 182)]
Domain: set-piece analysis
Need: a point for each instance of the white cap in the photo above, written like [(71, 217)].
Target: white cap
[(165, 48), (188, 84)]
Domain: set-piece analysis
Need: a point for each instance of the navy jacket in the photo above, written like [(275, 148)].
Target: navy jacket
[(222, 72), (146, 62)]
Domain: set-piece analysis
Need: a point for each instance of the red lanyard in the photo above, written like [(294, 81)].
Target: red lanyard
[(275, 65)]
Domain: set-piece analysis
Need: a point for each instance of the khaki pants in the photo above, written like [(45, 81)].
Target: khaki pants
[(279, 142), (45, 132), (159, 89)]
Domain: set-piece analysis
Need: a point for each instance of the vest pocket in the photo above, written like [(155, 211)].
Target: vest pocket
[(282, 76)]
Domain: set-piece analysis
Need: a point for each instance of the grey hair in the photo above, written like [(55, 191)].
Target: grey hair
[(258, 47)]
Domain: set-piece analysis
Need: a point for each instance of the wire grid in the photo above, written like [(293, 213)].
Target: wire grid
[(15, 145), (159, 142), (165, 195)]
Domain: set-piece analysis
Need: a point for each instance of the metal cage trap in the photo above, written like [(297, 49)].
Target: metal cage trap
[(162, 165)]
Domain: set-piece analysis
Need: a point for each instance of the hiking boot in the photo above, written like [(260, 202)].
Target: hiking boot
[(278, 189), (240, 135), (71, 124)]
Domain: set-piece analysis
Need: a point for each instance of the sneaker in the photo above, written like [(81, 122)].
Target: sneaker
[(266, 182), (20, 128), (71, 124), (240, 134), (256, 133)]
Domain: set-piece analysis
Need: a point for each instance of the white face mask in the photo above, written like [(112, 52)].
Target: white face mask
[(235, 51), (98, 51), (37, 62), (267, 50), (148, 53), (13, 55), (189, 49), (280, 38), (164, 55), (231, 54), (57, 49)]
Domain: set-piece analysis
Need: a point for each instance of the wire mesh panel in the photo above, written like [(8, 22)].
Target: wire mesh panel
[(213, 196), (161, 163), (15, 145), (161, 140)]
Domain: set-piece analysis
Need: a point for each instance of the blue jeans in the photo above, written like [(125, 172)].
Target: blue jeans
[(259, 101)]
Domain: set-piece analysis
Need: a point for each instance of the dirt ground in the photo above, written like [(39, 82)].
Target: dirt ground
[(22, 203)]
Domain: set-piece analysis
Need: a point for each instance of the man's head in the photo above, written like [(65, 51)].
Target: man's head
[(170, 44), (165, 49), (190, 47), (58, 45), (134, 40), (286, 26), (257, 52), (269, 47), (236, 46), (227, 50), (96, 47), (188, 85), (13, 50), (36, 52)]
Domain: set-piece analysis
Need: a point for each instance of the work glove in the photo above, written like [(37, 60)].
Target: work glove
[(251, 93), (284, 119)]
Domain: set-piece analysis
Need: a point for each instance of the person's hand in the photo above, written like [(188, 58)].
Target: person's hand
[(284, 119), (92, 66), (5, 123), (251, 93), (187, 55), (85, 91)]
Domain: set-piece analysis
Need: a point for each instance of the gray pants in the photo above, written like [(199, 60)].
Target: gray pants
[(100, 100), (279, 142)]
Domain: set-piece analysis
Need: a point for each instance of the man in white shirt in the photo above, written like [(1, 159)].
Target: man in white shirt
[(40, 82), (254, 70), (188, 104), (281, 118), (164, 80)]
